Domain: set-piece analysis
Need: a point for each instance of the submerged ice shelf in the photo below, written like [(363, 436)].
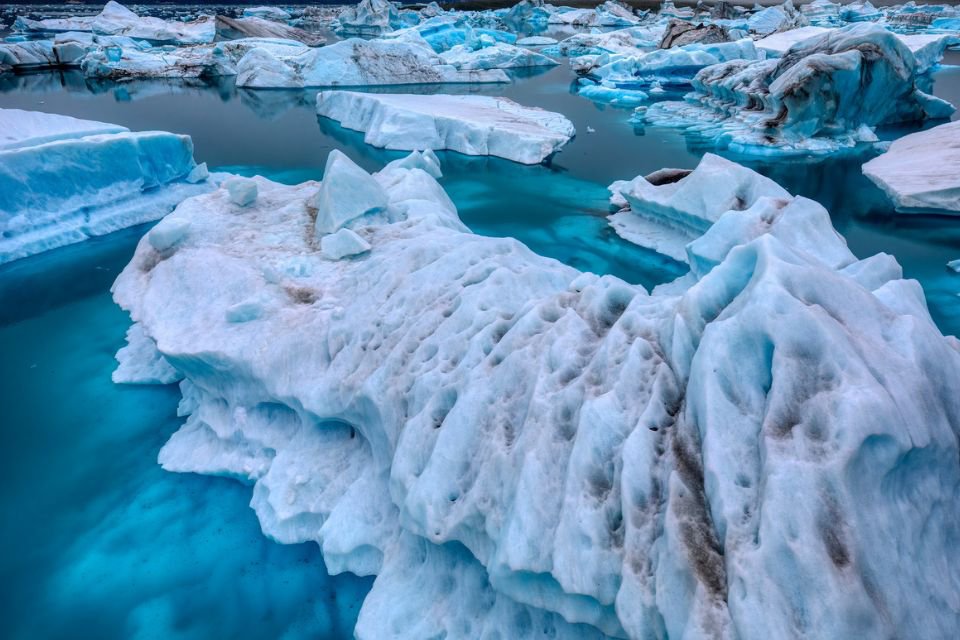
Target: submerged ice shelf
[(536, 448), (63, 180)]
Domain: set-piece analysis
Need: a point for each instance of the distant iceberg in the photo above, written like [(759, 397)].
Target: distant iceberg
[(824, 94), (63, 180), (762, 449), (353, 63), (473, 125), (117, 20)]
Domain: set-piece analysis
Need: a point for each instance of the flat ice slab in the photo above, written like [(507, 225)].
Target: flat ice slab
[(777, 44), (63, 180), (921, 172), (473, 125)]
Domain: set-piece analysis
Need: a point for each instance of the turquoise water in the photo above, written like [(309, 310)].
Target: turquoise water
[(100, 543)]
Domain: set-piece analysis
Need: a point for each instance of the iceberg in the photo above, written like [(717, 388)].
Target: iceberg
[(134, 62), (472, 125), (63, 180), (117, 20), (765, 448), (674, 67), (777, 44), (861, 11), (921, 172), (669, 209), (495, 56), (267, 13), (255, 27), (825, 94), (355, 62), (369, 18), (64, 50), (681, 32), (822, 13)]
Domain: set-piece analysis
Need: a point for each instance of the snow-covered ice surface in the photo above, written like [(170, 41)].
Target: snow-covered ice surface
[(63, 180), (921, 172), (766, 448), (473, 125)]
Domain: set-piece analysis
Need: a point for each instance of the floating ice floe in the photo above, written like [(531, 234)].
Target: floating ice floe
[(674, 67), (473, 125), (681, 32), (536, 41), (777, 44), (822, 13), (369, 18), (444, 32), (496, 55), (117, 20), (253, 27), (63, 50), (63, 180), (625, 41), (355, 62), (524, 450), (825, 94), (267, 13), (608, 14), (861, 11), (921, 172), (671, 208)]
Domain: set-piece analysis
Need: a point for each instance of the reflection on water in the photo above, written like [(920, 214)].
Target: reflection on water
[(98, 536)]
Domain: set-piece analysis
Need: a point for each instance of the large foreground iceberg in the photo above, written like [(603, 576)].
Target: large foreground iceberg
[(354, 63), (473, 125), (766, 448), (63, 180), (921, 172)]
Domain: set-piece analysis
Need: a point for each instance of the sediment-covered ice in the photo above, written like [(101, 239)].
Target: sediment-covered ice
[(255, 27), (473, 125), (826, 93), (766, 448), (921, 172), (63, 180), (355, 62)]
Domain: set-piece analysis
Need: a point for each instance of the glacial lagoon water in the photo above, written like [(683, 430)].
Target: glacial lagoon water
[(99, 541)]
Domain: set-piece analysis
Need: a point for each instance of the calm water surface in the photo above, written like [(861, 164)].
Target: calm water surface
[(99, 542)]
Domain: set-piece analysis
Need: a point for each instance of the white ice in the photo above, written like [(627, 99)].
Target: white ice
[(63, 180), (473, 125), (766, 448), (921, 172)]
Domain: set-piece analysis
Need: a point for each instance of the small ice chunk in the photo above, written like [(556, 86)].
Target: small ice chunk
[(347, 192), (244, 311), (198, 174), (242, 191), (168, 232), (954, 264), (342, 244), (426, 160)]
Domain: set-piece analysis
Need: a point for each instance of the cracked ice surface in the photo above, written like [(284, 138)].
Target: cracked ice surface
[(765, 448)]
